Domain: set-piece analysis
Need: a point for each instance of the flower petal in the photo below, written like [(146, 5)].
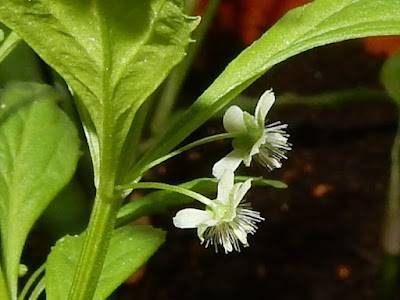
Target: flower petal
[(241, 235), (263, 106), (228, 163), (241, 191), (233, 119), (257, 145), (200, 232), (225, 186), (192, 218), (227, 244)]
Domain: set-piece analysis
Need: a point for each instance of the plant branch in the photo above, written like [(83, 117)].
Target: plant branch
[(173, 188), (31, 281), (38, 290), (189, 146), (98, 235)]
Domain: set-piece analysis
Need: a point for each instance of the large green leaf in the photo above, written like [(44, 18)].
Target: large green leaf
[(113, 54), (315, 24), (130, 247), (158, 202), (39, 151)]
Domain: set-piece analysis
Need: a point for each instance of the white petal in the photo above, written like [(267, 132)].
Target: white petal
[(242, 190), (227, 244), (228, 163), (225, 186), (256, 147), (263, 106), (200, 232), (233, 119), (192, 218), (241, 235)]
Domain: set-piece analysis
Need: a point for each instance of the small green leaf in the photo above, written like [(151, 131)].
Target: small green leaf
[(39, 151), (390, 76), (158, 202), (130, 248), (315, 24)]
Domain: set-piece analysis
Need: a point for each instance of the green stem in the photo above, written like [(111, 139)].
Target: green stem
[(107, 201), (389, 285), (173, 188), (175, 80), (39, 288), (100, 228), (99, 232), (391, 227), (391, 230), (197, 143), (130, 149), (9, 44), (3, 287), (31, 281)]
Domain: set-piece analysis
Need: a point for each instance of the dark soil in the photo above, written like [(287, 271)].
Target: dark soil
[(321, 238)]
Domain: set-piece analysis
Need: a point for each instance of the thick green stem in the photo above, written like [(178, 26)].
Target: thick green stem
[(391, 228), (389, 286), (99, 232), (100, 228)]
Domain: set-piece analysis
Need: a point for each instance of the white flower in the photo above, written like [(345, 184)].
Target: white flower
[(226, 220), (267, 143)]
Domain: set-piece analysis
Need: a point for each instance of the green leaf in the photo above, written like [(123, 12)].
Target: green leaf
[(113, 54), (130, 248), (3, 287), (158, 202), (17, 61), (8, 45), (390, 76), (39, 151), (318, 23)]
